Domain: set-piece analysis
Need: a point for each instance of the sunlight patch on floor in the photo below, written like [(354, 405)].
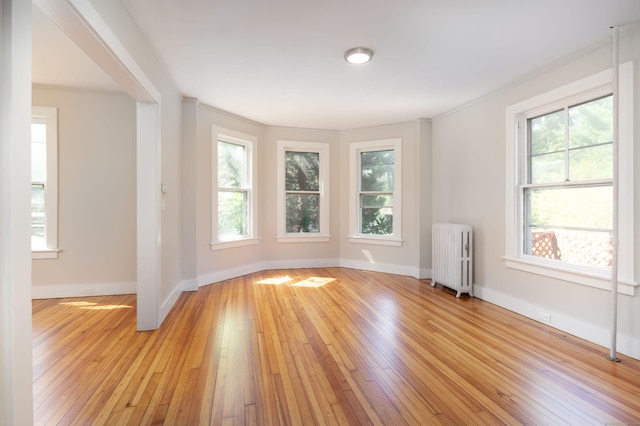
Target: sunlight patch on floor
[(313, 282), (94, 306), (276, 280)]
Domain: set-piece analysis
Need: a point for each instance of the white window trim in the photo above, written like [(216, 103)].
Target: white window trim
[(322, 148), (355, 149), (251, 142), (513, 215), (50, 116)]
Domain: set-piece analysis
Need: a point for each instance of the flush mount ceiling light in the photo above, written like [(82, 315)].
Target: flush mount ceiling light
[(358, 55)]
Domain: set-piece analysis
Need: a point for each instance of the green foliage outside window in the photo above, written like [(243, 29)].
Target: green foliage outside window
[(232, 191), (568, 150), (302, 187), (376, 192)]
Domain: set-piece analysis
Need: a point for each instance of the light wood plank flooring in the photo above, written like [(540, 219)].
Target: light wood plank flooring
[(321, 346)]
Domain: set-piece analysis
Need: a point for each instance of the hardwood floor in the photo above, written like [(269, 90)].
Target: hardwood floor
[(345, 347)]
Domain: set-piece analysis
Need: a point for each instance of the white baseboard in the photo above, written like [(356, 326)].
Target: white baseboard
[(626, 344), (310, 263), (170, 301), (54, 291), (189, 285), (302, 263), (382, 267), (224, 275)]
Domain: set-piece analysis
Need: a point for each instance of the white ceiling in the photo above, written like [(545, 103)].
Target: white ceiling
[(57, 61), (279, 62)]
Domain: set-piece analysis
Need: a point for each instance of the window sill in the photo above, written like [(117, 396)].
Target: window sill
[(588, 278), (45, 254), (381, 241), (303, 238), (221, 245)]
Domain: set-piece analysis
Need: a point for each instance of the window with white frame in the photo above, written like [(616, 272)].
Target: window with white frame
[(303, 191), (376, 198), (560, 160), (44, 182), (233, 207)]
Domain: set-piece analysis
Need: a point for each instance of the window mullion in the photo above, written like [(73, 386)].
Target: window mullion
[(569, 184), (566, 144)]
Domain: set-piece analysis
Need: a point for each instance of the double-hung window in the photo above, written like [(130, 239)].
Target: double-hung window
[(561, 164), (376, 196), (303, 191), (44, 182), (233, 209), (567, 186)]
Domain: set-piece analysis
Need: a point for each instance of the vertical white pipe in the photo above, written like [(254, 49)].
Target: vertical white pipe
[(614, 249)]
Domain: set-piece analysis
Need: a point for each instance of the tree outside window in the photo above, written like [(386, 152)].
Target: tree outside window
[(233, 191), (376, 192), (302, 186), (303, 192)]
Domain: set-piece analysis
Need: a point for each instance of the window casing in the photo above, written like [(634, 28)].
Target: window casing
[(44, 182), (303, 192), (559, 195), (376, 196), (234, 197)]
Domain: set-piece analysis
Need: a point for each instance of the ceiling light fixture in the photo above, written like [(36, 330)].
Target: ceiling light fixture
[(358, 55)]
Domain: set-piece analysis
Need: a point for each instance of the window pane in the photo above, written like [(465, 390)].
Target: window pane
[(232, 165), (591, 123), (579, 247), (376, 214), (377, 171), (570, 224), (302, 171), (547, 133), (232, 215), (594, 162), (38, 240), (376, 200), (38, 152), (376, 220), (547, 168), (303, 213), (570, 207)]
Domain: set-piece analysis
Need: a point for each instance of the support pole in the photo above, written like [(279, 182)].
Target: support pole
[(614, 240)]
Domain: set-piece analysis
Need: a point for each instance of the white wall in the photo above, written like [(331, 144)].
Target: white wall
[(97, 195), (298, 254), (118, 19), (204, 266), (469, 187), (16, 402), (406, 259), (216, 265)]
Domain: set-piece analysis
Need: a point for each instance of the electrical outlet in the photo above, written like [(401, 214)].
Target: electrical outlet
[(545, 317), (88, 291)]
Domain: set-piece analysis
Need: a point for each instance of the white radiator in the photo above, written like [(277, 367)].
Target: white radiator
[(452, 257)]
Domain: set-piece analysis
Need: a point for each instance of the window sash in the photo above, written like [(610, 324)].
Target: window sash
[(44, 173), (227, 229), (303, 191), (38, 216), (233, 215), (377, 225), (551, 154), (376, 218)]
